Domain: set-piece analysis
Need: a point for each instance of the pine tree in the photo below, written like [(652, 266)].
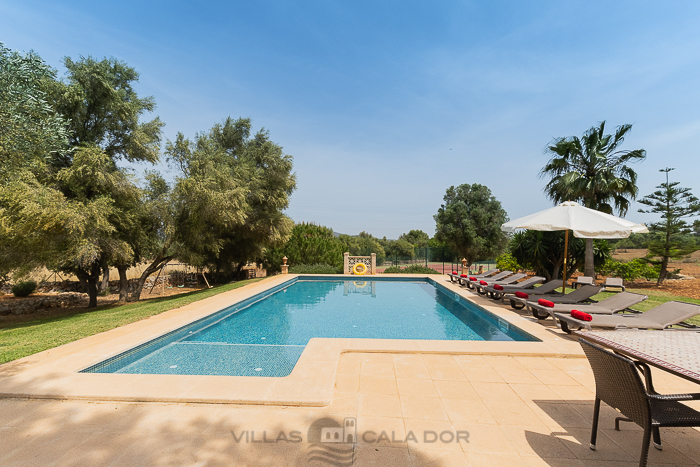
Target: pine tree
[(673, 203)]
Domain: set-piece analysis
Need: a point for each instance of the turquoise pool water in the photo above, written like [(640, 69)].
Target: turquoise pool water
[(265, 335)]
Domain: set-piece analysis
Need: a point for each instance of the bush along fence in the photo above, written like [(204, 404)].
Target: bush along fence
[(442, 260)]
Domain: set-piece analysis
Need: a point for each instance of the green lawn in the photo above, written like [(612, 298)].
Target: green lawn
[(18, 340), (655, 298)]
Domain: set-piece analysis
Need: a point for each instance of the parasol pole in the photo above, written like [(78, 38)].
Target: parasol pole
[(566, 254)]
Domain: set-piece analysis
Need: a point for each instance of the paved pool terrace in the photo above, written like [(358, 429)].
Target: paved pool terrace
[(55, 373)]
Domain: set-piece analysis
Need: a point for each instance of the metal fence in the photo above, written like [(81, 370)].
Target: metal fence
[(441, 259)]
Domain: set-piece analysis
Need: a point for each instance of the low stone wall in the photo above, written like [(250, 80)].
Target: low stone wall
[(31, 304)]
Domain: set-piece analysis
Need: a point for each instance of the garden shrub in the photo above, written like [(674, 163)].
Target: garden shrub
[(630, 270), (318, 268), (24, 288), (507, 262), (412, 269)]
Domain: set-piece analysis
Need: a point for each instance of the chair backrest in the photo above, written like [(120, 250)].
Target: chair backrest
[(584, 280), (500, 275), (613, 282), (622, 300), (489, 272), (513, 278), (547, 287), (618, 384), (530, 281), (583, 293), (672, 312)]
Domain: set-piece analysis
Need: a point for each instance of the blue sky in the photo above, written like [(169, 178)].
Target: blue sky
[(384, 105)]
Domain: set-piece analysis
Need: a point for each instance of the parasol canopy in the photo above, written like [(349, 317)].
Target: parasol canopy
[(583, 221)]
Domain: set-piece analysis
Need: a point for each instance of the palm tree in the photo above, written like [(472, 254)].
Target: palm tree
[(592, 171)]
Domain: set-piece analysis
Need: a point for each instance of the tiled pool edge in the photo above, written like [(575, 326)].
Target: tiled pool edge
[(53, 373)]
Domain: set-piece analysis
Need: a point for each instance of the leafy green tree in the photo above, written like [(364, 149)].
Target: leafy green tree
[(417, 238), (543, 252), (99, 101), (399, 248), (31, 132), (469, 222), (310, 244), (673, 203), (593, 171), (363, 244)]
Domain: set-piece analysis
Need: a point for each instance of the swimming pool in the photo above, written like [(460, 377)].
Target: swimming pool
[(266, 334)]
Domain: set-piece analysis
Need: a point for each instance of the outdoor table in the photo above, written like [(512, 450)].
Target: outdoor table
[(675, 351)]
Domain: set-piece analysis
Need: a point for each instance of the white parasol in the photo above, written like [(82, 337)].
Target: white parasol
[(583, 221)]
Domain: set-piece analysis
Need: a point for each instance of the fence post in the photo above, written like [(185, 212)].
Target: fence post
[(374, 263), (346, 263)]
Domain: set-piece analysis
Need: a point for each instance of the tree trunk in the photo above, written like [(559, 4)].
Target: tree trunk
[(105, 279), (91, 280), (589, 267), (663, 272), (157, 264), (123, 283), (83, 283)]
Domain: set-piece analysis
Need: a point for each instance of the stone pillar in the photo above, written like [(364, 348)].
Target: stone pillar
[(464, 266), (374, 263), (346, 263), (285, 268)]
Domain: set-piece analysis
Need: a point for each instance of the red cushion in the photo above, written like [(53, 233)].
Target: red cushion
[(581, 315), (472, 278), (497, 287), (520, 294), (546, 303), (454, 272), (462, 275), (483, 283)]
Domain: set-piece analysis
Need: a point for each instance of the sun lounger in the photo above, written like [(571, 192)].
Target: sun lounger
[(613, 282), (455, 277), (479, 287), (525, 285), (582, 280), (660, 317), (576, 296), (546, 290), (469, 283), (608, 306)]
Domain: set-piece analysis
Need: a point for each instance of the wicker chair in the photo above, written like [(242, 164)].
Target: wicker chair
[(618, 384)]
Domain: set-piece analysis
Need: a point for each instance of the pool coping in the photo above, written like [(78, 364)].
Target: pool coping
[(55, 373)]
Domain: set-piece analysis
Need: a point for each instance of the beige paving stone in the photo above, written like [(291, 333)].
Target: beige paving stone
[(421, 457), (536, 441), (376, 357), (471, 361), (381, 431), (374, 405), (540, 392), (416, 387), (495, 391), (347, 382), (349, 367), (559, 416), (423, 408), (493, 459), (385, 370), (378, 385), (381, 456), (517, 376), (409, 359), (537, 363), (488, 439), (482, 375), (513, 413), (471, 411), (631, 442), (577, 440), (433, 435), (455, 390), (556, 377), (342, 403), (413, 371), (573, 394), (448, 372)]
